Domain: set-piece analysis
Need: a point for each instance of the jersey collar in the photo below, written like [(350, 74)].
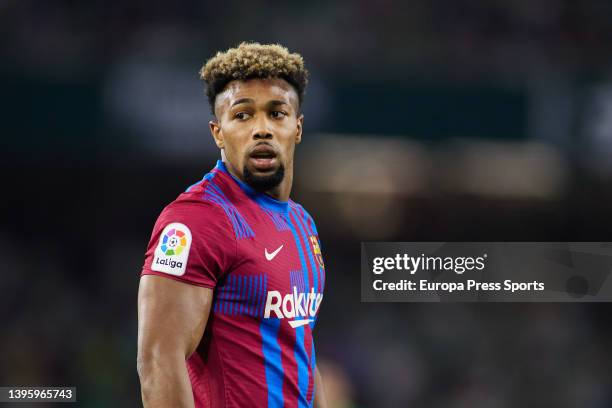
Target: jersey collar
[(262, 199)]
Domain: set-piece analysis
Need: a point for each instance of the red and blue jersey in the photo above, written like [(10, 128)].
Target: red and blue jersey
[(263, 260)]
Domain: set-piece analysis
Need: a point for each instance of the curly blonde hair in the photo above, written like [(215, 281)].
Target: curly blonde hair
[(250, 61)]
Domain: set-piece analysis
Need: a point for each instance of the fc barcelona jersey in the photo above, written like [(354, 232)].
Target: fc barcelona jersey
[(263, 260)]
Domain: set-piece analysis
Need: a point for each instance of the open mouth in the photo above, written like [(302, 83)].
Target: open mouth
[(263, 157)]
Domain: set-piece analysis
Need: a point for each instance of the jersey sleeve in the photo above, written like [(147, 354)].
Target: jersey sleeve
[(192, 243)]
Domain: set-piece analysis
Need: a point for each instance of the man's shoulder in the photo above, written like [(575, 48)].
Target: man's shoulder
[(205, 197), (301, 211), (190, 207)]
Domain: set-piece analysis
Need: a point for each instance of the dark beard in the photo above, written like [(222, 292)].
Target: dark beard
[(265, 183)]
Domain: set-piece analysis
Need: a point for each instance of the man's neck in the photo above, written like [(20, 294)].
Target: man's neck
[(283, 190)]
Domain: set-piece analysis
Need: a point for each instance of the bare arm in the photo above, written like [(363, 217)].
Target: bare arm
[(319, 398), (171, 319)]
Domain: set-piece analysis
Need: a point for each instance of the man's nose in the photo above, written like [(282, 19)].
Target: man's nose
[(261, 130)]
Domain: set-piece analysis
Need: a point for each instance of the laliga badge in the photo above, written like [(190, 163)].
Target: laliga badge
[(172, 250)]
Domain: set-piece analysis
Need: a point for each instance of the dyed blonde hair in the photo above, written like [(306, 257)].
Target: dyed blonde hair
[(251, 61)]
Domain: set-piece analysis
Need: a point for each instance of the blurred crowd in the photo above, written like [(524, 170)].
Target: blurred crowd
[(383, 37)]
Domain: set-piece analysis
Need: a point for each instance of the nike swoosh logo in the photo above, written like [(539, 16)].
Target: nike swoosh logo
[(298, 323), (271, 256)]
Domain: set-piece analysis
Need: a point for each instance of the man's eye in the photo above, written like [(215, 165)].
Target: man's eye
[(242, 116), (278, 114)]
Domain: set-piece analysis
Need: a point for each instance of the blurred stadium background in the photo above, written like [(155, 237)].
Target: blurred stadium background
[(425, 120)]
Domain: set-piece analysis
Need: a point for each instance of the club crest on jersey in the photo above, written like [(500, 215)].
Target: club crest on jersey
[(317, 250), (172, 249), (300, 306)]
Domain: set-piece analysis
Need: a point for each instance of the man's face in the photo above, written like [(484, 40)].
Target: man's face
[(258, 127)]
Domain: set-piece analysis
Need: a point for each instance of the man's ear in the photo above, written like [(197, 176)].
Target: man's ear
[(300, 124), (217, 134)]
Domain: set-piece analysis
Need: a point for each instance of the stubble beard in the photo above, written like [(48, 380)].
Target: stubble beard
[(264, 183)]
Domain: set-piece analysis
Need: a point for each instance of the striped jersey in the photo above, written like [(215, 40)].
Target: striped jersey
[(263, 260)]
